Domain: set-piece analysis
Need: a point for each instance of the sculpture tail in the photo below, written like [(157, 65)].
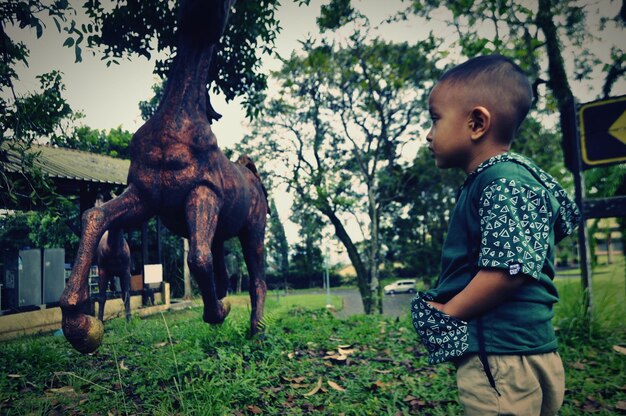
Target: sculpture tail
[(246, 161)]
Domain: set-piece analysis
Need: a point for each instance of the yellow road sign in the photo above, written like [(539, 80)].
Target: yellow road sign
[(618, 129), (603, 131)]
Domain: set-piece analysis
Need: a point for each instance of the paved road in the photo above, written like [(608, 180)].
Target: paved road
[(393, 305)]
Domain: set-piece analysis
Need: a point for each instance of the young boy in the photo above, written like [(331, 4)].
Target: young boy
[(491, 309)]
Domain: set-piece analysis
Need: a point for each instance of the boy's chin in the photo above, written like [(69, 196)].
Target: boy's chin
[(441, 164)]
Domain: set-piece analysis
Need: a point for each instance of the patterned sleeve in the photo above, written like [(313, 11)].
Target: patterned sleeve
[(515, 227)]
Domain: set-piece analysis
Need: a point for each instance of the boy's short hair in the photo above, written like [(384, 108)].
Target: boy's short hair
[(497, 83)]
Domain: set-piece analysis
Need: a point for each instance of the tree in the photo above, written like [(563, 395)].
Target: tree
[(344, 111), (535, 34), (42, 229), (541, 36), (125, 28), (29, 117), (135, 27), (307, 259), (113, 142), (420, 216), (277, 252)]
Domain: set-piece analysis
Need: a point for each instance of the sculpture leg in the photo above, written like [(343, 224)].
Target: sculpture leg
[(252, 246), (103, 283), (221, 272), (125, 283), (81, 330), (202, 213)]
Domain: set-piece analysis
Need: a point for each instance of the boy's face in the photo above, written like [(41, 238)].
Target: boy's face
[(449, 136)]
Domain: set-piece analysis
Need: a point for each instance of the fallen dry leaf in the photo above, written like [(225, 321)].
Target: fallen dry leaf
[(296, 380), (379, 385), (578, 365), (254, 409), (15, 375), (591, 405), (123, 366), (343, 351), (160, 344), (273, 389), (621, 405), (335, 386), (317, 388), (345, 346), (63, 390), (620, 349), (382, 371)]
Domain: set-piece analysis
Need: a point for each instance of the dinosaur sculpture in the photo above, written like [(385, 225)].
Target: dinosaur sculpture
[(113, 259), (178, 172)]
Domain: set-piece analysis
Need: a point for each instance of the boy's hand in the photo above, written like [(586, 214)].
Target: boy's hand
[(488, 289), (437, 305)]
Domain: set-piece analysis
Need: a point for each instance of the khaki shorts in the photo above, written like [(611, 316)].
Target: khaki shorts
[(528, 384)]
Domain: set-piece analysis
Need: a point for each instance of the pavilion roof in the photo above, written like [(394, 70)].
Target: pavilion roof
[(77, 165)]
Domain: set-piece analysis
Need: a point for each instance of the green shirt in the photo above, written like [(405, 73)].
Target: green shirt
[(509, 215)]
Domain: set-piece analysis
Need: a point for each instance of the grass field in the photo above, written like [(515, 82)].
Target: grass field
[(308, 362)]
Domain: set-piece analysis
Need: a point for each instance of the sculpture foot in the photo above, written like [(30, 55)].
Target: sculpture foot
[(256, 330), (217, 315), (84, 332)]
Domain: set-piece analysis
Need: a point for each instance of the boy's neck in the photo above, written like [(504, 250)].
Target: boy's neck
[(483, 156)]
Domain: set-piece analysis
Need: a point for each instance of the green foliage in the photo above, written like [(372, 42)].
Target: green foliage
[(142, 28), (24, 120), (174, 363), (420, 216), (307, 260), (215, 370), (336, 128), (149, 107), (42, 229), (32, 116), (276, 248), (112, 143), (334, 15)]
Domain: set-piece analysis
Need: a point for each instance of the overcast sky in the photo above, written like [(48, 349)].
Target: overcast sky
[(109, 96)]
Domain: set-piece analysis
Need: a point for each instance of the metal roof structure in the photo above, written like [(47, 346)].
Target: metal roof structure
[(73, 172), (76, 165)]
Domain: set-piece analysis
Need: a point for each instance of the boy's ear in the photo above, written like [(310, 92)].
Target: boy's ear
[(480, 121)]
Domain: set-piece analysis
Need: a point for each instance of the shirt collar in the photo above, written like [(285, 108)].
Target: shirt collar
[(503, 157)]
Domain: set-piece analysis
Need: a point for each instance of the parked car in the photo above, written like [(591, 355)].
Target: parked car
[(401, 286)]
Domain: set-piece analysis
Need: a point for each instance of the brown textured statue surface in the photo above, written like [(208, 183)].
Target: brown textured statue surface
[(113, 259), (178, 172)]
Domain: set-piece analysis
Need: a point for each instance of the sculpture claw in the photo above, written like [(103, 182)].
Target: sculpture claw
[(84, 332), (218, 315)]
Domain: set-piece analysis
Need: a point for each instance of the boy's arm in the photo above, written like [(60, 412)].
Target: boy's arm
[(488, 289)]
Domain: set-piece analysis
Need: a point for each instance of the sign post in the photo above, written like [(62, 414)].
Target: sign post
[(602, 132), (583, 236)]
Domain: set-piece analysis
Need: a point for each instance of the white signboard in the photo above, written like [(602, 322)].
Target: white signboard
[(152, 273)]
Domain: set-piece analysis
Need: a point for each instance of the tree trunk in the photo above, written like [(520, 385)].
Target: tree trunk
[(374, 283), (362, 274), (559, 85)]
